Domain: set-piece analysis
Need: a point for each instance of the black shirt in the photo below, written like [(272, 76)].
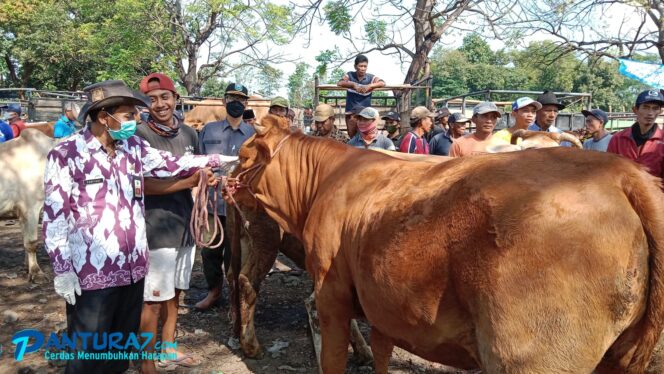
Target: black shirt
[(640, 139), (167, 216)]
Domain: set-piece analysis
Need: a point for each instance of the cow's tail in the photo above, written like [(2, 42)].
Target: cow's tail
[(645, 195), (236, 266)]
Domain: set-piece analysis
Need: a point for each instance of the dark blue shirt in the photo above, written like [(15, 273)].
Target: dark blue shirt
[(6, 132), (353, 97), (440, 144)]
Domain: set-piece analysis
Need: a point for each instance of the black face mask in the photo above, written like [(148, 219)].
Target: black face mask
[(235, 109)]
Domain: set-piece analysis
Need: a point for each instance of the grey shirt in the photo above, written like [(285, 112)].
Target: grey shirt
[(381, 141), (167, 216), (600, 145), (221, 138)]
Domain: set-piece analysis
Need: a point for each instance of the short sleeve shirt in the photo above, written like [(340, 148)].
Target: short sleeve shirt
[(381, 142), (469, 145), (600, 145), (167, 216), (353, 97), (440, 144)]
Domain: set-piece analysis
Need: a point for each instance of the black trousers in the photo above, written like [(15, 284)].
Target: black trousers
[(114, 309), (214, 258)]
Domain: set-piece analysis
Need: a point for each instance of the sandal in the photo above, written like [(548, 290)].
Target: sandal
[(186, 361)]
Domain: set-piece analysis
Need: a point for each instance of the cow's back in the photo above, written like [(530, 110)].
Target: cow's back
[(22, 166), (536, 249)]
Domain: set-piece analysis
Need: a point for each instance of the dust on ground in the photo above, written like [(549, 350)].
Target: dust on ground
[(281, 322)]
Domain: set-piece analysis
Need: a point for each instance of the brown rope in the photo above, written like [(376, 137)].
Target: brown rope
[(199, 224)]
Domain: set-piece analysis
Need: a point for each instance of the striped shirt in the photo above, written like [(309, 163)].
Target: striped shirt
[(412, 143)]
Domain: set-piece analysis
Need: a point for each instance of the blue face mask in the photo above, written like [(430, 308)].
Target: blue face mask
[(127, 129)]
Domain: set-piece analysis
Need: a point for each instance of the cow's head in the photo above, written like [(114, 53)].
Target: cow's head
[(534, 139), (255, 154)]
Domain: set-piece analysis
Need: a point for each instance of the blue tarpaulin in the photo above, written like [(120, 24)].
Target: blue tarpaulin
[(644, 72)]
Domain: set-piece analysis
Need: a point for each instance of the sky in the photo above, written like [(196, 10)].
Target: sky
[(388, 68)]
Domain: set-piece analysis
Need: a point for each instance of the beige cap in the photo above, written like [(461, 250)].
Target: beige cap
[(420, 112), (323, 112)]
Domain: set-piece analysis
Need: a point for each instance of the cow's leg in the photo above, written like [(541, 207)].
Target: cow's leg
[(382, 347), (30, 226), (334, 305), (361, 350), (259, 250)]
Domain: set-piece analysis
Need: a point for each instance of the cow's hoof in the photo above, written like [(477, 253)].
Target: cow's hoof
[(38, 277), (253, 351)]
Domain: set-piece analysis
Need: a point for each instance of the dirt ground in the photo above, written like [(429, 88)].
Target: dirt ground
[(281, 320)]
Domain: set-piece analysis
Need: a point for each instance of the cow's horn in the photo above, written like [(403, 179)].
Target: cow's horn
[(520, 133), (571, 138), (260, 130)]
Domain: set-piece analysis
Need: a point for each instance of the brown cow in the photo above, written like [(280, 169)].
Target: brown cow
[(258, 252), (565, 276), (211, 110)]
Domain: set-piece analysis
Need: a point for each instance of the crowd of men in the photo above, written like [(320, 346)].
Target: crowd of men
[(118, 206)]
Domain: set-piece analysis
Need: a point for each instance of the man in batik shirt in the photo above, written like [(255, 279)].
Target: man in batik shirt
[(94, 225)]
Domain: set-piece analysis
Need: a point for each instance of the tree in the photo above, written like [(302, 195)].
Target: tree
[(69, 44), (231, 34), (583, 26), (407, 31), (300, 87)]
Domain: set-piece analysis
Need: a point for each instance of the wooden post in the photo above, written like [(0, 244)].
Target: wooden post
[(316, 90)]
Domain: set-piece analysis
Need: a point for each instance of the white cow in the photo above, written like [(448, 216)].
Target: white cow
[(22, 166)]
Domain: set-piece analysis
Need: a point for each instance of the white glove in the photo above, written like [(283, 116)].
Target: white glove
[(67, 286)]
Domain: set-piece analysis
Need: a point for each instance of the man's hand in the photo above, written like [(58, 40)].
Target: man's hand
[(192, 181), (67, 286)]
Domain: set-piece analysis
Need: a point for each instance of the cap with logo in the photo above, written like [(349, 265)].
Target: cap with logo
[(523, 102), (394, 116), (279, 101), (597, 113), (323, 112), (108, 94), (163, 81), (368, 113), (650, 96), (549, 98), (419, 113), (236, 89), (485, 107), (458, 118)]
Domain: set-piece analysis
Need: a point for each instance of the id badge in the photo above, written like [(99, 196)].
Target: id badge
[(137, 184)]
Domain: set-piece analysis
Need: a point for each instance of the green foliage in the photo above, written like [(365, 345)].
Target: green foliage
[(537, 67), (376, 31), (324, 59), (477, 50), (338, 16), (214, 87), (300, 87)]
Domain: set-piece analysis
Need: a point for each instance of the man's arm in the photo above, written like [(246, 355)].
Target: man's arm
[(58, 185), (156, 186), (346, 83)]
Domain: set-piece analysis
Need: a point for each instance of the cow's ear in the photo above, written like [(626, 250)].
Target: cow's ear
[(260, 130)]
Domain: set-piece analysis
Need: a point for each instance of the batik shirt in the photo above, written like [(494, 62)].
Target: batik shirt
[(335, 134), (93, 221)]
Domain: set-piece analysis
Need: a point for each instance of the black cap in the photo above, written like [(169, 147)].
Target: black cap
[(236, 89), (442, 112), (391, 115), (597, 113), (650, 96), (357, 108), (549, 98), (248, 114)]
